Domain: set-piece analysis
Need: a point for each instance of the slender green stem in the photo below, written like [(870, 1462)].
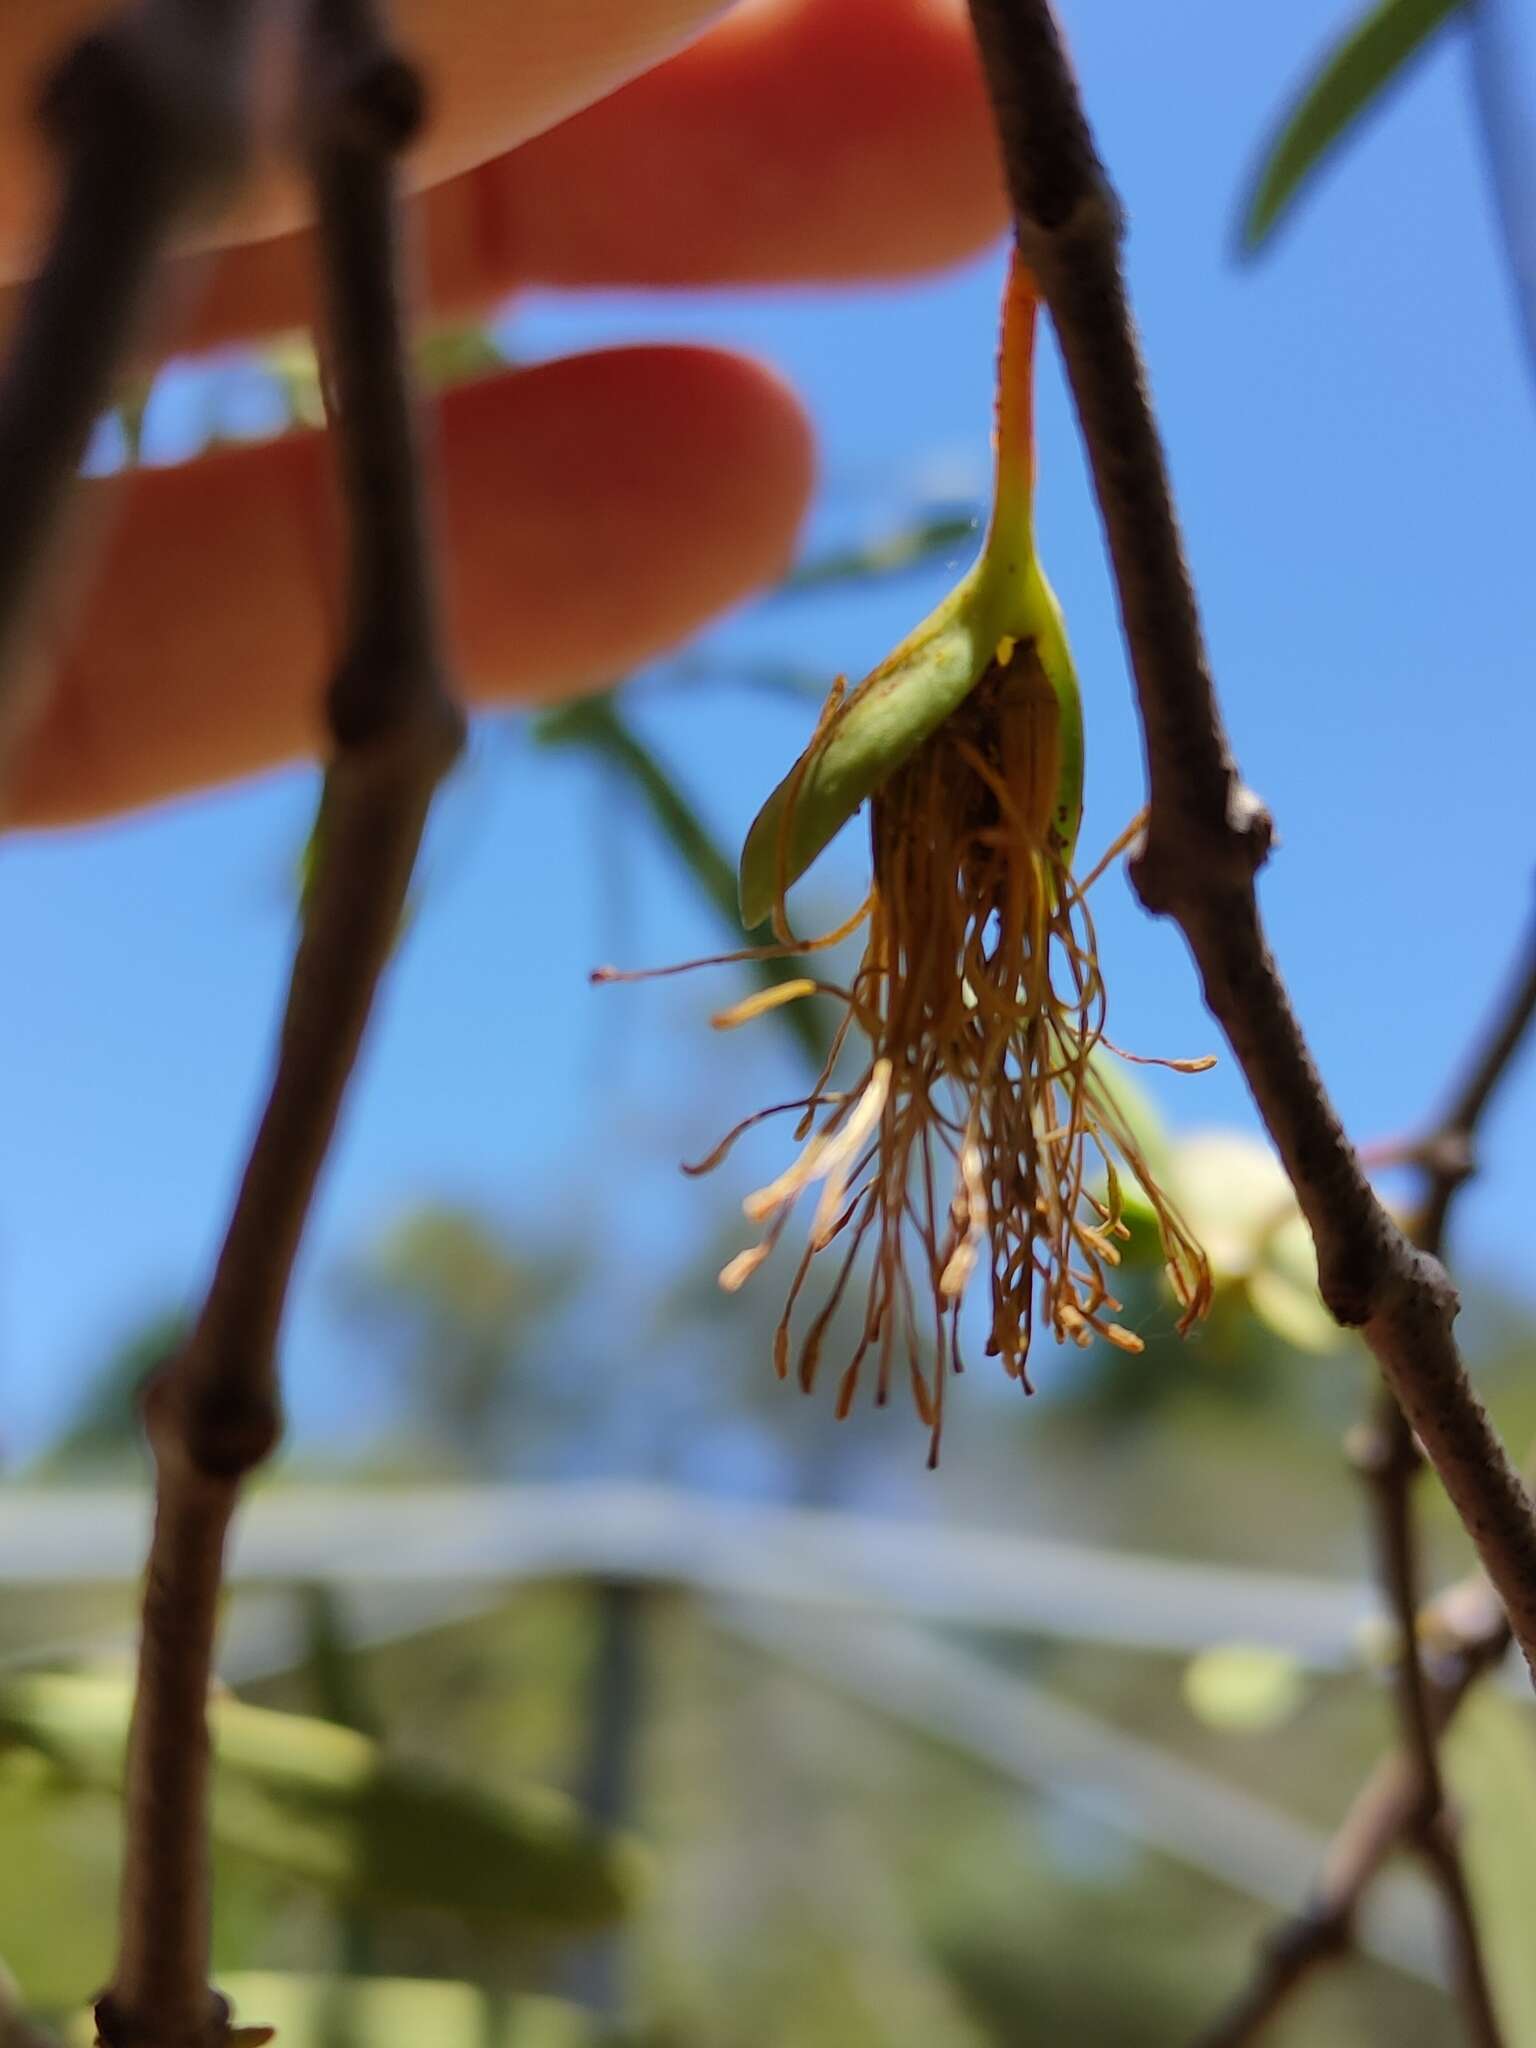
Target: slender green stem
[(597, 724)]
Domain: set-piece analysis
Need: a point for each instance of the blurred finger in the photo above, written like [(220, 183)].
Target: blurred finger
[(497, 74), (800, 141), (593, 511)]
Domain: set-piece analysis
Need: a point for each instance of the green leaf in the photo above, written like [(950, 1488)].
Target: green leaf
[(293, 363), (58, 1884), (443, 358), (1348, 83), (597, 724), (1490, 1760), (456, 355), (910, 547), (386, 2012), (331, 1807), (1282, 1290), (1233, 1193), (1244, 1688)]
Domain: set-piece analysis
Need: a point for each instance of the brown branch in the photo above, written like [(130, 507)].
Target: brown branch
[(213, 1413), (147, 117), (1206, 838), (1466, 1631), (1387, 1457), (1206, 835)]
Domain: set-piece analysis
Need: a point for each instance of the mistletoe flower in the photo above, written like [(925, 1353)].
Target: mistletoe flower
[(980, 1145)]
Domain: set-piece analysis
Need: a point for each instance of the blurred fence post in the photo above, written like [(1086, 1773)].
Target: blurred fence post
[(594, 1974), (341, 1694)]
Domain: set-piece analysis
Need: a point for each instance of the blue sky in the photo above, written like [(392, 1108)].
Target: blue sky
[(1351, 437)]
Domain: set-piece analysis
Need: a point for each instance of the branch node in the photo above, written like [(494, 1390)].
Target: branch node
[(1189, 861), (1449, 1156), (378, 700), (379, 105), (1367, 1269), (1096, 218), (117, 2027), (1319, 1932), (217, 1428), (127, 87), (1250, 824)]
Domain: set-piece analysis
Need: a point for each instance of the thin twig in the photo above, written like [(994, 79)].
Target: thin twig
[(598, 724), (1387, 1458), (213, 1413), (147, 117), (1470, 1632), (1447, 1155), (1403, 1802), (1206, 835)]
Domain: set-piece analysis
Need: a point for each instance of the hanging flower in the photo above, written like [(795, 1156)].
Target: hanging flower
[(980, 1144)]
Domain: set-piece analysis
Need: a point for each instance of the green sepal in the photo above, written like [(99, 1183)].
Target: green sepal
[(902, 704)]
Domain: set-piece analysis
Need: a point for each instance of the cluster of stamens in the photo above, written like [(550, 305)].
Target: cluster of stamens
[(980, 1134)]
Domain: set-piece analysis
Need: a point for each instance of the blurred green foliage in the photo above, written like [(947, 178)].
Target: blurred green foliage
[(822, 1877), (102, 1435), (387, 2012), (330, 1807), (455, 1307), (1490, 1760)]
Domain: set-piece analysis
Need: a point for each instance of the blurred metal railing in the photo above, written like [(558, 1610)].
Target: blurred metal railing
[(833, 1595), (365, 1536)]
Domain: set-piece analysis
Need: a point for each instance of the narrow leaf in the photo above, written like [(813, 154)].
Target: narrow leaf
[(1347, 85), (933, 539), (597, 724)]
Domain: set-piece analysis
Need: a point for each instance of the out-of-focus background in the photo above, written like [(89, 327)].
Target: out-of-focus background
[(1032, 1748)]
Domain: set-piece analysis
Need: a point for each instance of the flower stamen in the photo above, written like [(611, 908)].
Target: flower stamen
[(983, 1002)]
